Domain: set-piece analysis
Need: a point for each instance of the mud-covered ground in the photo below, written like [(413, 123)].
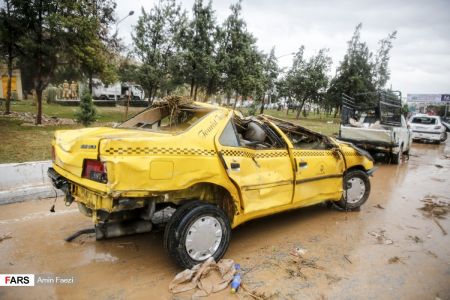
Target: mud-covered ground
[(388, 250)]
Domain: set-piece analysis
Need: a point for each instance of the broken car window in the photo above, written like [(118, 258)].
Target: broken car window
[(161, 119), (228, 136), (253, 133), (302, 138)]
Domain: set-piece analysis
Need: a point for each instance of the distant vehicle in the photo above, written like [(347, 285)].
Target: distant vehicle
[(116, 91), (446, 122), (429, 128), (379, 127)]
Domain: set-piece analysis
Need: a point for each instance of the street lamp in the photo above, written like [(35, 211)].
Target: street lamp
[(130, 13)]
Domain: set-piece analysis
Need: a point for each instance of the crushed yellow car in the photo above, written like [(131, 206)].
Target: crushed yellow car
[(200, 170)]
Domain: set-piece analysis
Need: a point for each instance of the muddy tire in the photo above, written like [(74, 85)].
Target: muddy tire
[(397, 158), (444, 137), (195, 232), (356, 190)]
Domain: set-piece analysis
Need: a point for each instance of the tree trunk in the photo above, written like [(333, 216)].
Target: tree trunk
[(261, 111), (195, 92), (235, 101), (39, 106), (38, 86), (336, 111), (299, 110), (150, 91), (192, 87), (8, 88), (90, 83)]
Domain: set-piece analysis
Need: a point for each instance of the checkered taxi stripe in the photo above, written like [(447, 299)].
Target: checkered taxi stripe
[(260, 154), (312, 153), (159, 151)]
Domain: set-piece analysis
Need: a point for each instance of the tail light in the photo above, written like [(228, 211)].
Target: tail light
[(94, 170)]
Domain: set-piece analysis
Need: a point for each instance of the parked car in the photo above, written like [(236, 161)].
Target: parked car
[(379, 127), (428, 128), (446, 122), (202, 170)]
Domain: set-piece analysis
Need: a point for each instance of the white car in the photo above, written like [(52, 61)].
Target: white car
[(425, 127)]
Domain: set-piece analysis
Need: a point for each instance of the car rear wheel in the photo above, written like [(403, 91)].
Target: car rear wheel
[(356, 190), (195, 232), (444, 137)]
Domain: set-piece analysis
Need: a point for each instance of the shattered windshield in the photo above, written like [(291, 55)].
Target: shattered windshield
[(163, 119)]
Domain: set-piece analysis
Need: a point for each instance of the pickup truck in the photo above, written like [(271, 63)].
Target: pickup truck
[(200, 170), (379, 128)]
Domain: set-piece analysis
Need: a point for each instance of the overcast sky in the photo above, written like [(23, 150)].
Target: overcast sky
[(420, 59)]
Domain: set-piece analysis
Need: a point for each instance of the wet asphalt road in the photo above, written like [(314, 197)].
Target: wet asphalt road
[(351, 262)]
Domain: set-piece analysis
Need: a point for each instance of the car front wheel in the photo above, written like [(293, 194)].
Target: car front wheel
[(356, 190), (195, 232)]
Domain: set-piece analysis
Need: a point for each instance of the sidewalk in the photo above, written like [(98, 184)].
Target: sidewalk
[(25, 181)]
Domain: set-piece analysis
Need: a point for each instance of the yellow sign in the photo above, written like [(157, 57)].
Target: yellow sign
[(5, 85)]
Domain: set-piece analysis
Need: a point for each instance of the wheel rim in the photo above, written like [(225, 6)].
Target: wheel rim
[(356, 189), (203, 238)]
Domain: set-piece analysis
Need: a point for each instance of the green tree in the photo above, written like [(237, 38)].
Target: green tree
[(198, 43), (155, 45), (10, 33), (381, 63), (240, 60), (55, 31), (360, 73), (270, 73), (307, 79), (86, 113)]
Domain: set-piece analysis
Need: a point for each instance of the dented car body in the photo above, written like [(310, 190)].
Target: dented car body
[(208, 167)]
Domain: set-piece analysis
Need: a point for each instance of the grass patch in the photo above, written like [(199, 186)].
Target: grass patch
[(25, 143)]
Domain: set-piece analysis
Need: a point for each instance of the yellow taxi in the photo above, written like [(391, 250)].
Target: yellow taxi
[(200, 170)]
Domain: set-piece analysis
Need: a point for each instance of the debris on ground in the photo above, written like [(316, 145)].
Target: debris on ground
[(435, 209), (415, 238), (437, 179), (347, 258), (207, 277), (258, 295), (332, 278), (431, 253), (5, 237), (438, 166), (296, 273), (394, 260), (378, 206), (303, 262), (29, 119), (381, 238)]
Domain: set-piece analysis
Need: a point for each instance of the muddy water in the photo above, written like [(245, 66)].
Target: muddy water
[(351, 263)]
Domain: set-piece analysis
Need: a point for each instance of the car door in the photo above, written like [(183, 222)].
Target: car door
[(264, 176), (405, 134), (319, 169)]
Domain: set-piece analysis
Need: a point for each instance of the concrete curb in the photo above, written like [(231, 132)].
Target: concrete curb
[(25, 181)]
